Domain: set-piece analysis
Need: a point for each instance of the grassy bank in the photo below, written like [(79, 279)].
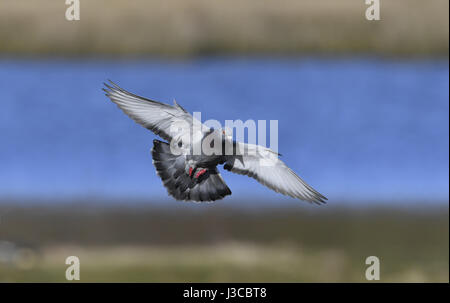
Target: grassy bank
[(199, 27), (216, 244)]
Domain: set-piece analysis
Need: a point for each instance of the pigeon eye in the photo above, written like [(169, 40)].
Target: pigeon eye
[(211, 144), (180, 143)]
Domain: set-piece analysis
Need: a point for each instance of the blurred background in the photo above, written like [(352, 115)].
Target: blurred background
[(363, 117)]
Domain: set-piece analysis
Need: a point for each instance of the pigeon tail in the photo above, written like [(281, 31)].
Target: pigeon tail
[(205, 185)]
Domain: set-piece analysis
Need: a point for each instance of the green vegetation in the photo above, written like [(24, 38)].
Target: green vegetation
[(215, 244), (199, 27)]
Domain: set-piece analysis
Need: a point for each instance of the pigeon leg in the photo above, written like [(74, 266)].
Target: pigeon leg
[(190, 169), (200, 173)]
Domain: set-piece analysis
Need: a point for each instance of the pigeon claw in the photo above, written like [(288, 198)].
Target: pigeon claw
[(201, 172)]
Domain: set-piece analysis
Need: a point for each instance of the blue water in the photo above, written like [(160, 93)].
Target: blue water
[(356, 130)]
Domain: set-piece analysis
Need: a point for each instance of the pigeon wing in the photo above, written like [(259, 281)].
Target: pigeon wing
[(168, 122), (265, 166)]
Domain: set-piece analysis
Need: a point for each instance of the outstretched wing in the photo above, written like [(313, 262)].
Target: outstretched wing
[(264, 165), (168, 122)]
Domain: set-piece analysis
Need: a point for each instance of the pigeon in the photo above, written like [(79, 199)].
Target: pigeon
[(188, 170)]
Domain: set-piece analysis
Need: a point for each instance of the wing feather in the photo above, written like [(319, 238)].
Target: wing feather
[(265, 166), (168, 122)]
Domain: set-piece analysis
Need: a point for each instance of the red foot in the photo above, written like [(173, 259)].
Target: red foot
[(200, 173), (190, 171)]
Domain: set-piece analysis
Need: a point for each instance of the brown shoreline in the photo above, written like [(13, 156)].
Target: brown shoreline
[(186, 28)]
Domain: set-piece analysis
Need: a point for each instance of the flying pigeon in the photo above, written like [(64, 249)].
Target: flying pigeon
[(191, 176)]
